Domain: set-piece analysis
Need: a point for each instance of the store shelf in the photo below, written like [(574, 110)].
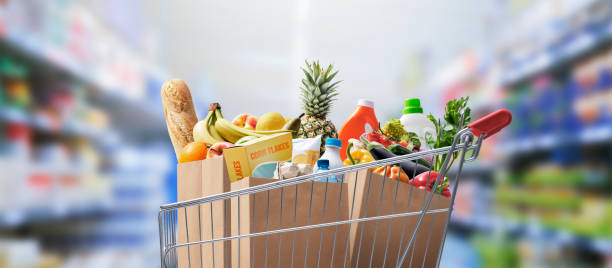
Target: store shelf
[(10, 219), (556, 236), (70, 128), (132, 115), (556, 57), (546, 142)]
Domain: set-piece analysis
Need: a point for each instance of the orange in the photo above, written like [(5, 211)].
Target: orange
[(194, 151)]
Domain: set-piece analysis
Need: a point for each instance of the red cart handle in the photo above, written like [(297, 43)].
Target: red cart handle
[(491, 124)]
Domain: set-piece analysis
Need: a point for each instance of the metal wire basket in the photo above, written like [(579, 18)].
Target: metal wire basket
[(373, 218)]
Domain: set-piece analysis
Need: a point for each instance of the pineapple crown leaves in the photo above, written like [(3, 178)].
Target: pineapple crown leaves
[(317, 90)]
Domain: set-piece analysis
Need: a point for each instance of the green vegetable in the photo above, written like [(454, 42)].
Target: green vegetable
[(374, 144), (412, 138), (394, 129), (448, 130), (398, 149)]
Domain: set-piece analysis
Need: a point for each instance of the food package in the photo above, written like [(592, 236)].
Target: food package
[(242, 159), (287, 170), (306, 151)]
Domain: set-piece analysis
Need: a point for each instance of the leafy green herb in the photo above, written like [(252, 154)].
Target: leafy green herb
[(412, 138), (448, 130)]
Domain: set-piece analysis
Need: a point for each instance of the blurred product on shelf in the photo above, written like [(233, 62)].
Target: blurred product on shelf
[(82, 168), (546, 201)]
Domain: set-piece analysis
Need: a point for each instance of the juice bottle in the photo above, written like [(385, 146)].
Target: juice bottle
[(354, 126), (416, 122)]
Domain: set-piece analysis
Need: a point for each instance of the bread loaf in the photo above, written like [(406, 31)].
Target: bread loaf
[(180, 113)]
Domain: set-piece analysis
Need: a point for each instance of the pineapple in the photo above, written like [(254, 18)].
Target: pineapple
[(318, 93)]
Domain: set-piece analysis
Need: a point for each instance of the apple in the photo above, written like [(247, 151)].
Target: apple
[(251, 122), (246, 121), (217, 149), (240, 119)]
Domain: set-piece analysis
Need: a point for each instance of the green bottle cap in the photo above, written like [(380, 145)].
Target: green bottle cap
[(412, 106)]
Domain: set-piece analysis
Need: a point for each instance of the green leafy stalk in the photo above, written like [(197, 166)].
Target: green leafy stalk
[(448, 130)]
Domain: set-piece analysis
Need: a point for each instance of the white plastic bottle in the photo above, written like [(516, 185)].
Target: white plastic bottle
[(332, 154), (415, 121)]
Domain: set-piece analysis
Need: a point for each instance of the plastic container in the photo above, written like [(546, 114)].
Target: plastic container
[(323, 165), (332, 155), (415, 121), (355, 125)]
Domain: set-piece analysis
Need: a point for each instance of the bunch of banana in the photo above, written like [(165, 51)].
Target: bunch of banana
[(214, 128), (204, 130)]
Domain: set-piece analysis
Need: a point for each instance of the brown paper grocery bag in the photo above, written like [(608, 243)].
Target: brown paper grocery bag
[(378, 243), (286, 208), (206, 221)]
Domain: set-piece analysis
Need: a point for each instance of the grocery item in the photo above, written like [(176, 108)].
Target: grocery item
[(215, 128), (265, 170), (270, 121), (416, 122), (318, 93), (217, 149), (396, 132), (245, 139), (193, 151), (378, 136), (180, 113), (322, 166), (427, 179), (332, 153), (205, 129), (356, 144), (355, 125), (287, 170), (246, 121), (392, 172), (446, 132), (379, 152), (356, 156), (398, 149), (243, 158), (306, 151), (293, 124)]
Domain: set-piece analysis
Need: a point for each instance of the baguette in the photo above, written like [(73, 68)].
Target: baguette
[(180, 113)]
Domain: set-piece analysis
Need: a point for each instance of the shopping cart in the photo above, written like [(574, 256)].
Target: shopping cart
[(370, 220)]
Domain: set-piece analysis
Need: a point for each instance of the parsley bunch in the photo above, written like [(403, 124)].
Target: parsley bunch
[(447, 130)]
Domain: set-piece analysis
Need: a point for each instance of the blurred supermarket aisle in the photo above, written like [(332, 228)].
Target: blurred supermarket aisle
[(545, 201), (85, 159), (83, 148)]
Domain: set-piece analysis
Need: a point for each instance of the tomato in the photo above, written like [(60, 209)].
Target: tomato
[(425, 179), (403, 143), (193, 151), (446, 192)]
